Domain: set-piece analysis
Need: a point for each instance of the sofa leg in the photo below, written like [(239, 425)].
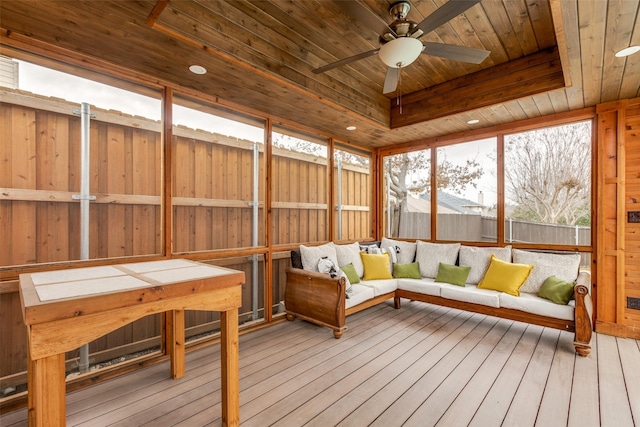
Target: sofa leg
[(582, 349), (396, 302), (290, 317)]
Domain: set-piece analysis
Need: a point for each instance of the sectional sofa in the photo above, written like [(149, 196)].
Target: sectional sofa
[(541, 288)]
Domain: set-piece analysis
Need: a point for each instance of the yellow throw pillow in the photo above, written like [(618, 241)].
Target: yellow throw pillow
[(505, 276), (376, 266)]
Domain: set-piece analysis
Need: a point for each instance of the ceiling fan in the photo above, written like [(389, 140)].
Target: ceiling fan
[(399, 41)]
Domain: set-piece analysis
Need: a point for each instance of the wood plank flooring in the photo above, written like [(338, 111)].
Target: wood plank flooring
[(422, 365)]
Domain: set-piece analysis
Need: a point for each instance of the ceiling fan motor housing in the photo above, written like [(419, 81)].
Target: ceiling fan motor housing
[(401, 26)]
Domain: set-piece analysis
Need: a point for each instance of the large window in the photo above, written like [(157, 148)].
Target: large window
[(55, 212), (218, 187), (546, 182), (352, 194), (466, 195), (407, 209), (300, 205), (547, 175)]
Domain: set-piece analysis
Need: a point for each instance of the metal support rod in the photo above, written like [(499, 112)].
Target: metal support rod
[(254, 233), (510, 230), (389, 207), (339, 199), (85, 119)]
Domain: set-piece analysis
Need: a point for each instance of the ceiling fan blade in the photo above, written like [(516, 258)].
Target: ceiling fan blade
[(346, 61), (362, 14), (456, 53), (444, 13), (391, 80)]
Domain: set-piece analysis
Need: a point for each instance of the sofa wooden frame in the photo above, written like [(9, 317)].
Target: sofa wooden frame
[(320, 299)]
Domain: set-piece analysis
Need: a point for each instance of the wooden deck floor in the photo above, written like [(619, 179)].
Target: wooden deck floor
[(421, 365)]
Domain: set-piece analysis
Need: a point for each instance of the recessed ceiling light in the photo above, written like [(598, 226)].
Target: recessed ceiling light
[(351, 128), (473, 121), (628, 51), (197, 69)]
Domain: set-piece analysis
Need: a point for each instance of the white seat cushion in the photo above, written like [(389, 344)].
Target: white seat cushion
[(471, 293), (359, 294), (424, 286), (531, 303), (382, 286)]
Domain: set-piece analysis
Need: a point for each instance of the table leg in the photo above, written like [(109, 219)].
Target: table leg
[(47, 389), (175, 342), (230, 368)]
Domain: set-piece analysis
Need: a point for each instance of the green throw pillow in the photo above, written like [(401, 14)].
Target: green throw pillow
[(557, 290), (452, 274), (350, 271), (407, 271)]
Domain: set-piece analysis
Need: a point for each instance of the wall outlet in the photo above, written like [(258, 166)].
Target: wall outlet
[(633, 303), (633, 216)]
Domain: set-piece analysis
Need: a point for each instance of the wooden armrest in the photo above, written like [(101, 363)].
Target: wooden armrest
[(315, 297), (583, 320)]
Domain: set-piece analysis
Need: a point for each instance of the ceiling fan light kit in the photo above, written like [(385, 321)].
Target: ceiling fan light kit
[(400, 52), (400, 43)]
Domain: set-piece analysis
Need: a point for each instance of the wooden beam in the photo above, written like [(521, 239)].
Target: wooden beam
[(529, 75)]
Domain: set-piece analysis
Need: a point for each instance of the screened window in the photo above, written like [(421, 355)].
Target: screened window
[(547, 176), (218, 185), (407, 181), (54, 212), (352, 194), (466, 196), (300, 194)]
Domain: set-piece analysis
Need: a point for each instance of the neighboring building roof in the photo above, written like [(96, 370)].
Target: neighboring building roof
[(455, 203)]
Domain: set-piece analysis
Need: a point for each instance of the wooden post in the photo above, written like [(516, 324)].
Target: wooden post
[(47, 389), (230, 367), (175, 342)]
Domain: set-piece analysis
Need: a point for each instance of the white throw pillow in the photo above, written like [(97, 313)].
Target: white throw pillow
[(407, 249), (326, 266), (312, 254), (478, 259), (545, 265), (350, 254), (430, 255)]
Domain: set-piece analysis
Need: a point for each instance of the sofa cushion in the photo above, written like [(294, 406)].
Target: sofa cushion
[(424, 286), (381, 286), (505, 276), (376, 266), (407, 249), (530, 303), (359, 294), (408, 271), (452, 274), (430, 255), (563, 266), (350, 254), (557, 290), (471, 293), (312, 254), (478, 259)]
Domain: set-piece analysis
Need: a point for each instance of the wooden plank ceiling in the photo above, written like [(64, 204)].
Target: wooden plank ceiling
[(260, 56)]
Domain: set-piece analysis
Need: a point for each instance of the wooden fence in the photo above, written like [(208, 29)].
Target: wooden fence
[(212, 205)]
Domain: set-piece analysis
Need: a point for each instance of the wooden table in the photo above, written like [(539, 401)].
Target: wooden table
[(65, 309)]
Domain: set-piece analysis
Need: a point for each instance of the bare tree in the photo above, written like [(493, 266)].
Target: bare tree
[(548, 173), (449, 176)]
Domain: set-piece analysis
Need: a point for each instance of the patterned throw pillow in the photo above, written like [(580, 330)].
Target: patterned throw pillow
[(430, 255), (478, 259), (326, 266)]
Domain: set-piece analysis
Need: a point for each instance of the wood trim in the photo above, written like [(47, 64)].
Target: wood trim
[(529, 75), (501, 190), (621, 220), (561, 39)]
